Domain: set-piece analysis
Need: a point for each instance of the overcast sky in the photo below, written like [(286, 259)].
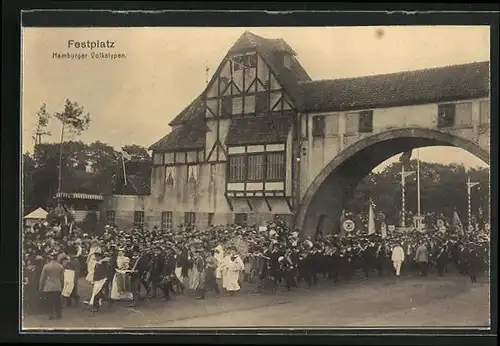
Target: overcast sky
[(132, 100)]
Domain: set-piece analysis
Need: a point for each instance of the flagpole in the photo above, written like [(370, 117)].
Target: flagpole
[(469, 208), (124, 172), (402, 195), (418, 182)]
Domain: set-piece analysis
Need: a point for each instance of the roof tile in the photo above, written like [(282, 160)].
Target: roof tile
[(259, 130), (440, 84)]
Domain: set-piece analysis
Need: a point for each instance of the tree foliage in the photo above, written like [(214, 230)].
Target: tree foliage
[(94, 168), (73, 117), (43, 118), (442, 189)]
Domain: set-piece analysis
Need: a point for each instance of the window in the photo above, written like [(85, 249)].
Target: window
[(189, 218), (484, 112), (238, 62), (275, 166), (226, 106), (240, 219), (110, 217), (463, 114), (446, 115), (192, 173), (318, 129), (251, 60), (366, 122), (351, 123), (237, 168), (237, 105), (261, 102), (139, 219), (287, 61), (166, 220), (210, 219), (169, 175), (256, 167)]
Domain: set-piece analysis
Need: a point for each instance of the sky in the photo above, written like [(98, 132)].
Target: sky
[(132, 100)]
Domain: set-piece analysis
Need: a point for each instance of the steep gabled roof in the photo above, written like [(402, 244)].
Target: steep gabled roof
[(188, 136), (249, 40), (439, 84), (268, 49), (194, 109)]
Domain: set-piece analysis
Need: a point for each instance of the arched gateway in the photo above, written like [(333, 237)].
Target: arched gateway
[(326, 195)]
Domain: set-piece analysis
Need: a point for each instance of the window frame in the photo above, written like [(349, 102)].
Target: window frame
[(112, 212), (242, 222), (142, 218), (167, 219), (189, 215), (210, 219), (263, 166), (363, 115), (318, 131), (267, 165), (441, 120), (229, 176)]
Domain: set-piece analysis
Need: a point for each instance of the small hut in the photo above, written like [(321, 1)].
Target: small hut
[(38, 215)]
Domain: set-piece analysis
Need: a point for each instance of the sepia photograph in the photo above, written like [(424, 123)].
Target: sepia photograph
[(255, 177)]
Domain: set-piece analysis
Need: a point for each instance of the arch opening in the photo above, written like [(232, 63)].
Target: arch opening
[(334, 185)]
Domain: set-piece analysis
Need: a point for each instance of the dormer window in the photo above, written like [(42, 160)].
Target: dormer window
[(243, 62), (287, 61), (251, 60)]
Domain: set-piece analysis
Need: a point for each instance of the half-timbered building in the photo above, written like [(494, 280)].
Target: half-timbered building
[(262, 138), (229, 154)]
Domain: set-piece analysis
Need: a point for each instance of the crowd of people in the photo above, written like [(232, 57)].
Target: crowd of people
[(132, 265)]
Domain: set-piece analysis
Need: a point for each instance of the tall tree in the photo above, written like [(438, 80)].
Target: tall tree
[(43, 118), (73, 120)]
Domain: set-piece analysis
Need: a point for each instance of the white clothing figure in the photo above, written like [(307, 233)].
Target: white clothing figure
[(398, 256)]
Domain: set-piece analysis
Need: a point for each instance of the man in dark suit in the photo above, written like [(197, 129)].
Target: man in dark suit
[(157, 263), (51, 284)]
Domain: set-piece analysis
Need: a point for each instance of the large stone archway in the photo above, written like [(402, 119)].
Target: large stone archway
[(327, 193)]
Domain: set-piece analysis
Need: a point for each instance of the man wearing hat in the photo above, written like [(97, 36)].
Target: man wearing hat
[(157, 263), (51, 284)]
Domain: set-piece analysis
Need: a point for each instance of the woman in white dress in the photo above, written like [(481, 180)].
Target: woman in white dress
[(120, 285), (91, 261), (233, 266)]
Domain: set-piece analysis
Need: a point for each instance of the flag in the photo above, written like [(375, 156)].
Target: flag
[(455, 221), (405, 157), (342, 220), (371, 220), (125, 155), (407, 174)]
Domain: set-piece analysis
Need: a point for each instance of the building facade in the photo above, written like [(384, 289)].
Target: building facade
[(252, 144)]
